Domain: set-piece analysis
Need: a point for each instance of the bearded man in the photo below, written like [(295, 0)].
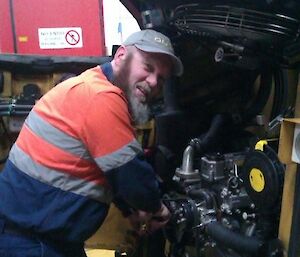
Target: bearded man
[(77, 152)]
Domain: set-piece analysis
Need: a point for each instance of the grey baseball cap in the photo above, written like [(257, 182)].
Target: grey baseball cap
[(149, 40)]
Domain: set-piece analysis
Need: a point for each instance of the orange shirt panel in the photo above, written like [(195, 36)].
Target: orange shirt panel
[(54, 158), (91, 109)]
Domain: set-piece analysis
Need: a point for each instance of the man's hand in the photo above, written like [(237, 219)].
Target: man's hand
[(146, 223), (159, 219), (139, 221)]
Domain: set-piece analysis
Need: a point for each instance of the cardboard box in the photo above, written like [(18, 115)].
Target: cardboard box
[(285, 155), (286, 140)]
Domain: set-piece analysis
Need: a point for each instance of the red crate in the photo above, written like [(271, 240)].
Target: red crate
[(52, 27)]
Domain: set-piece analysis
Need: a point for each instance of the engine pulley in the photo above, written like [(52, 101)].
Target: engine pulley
[(263, 178)]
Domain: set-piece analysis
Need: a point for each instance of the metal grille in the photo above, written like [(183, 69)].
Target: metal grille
[(235, 21)]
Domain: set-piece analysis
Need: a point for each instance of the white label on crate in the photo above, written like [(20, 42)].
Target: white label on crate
[(60, 38), (15, 123), (296, 144)]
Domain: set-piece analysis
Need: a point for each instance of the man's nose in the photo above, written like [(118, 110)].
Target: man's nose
[(152, 80)]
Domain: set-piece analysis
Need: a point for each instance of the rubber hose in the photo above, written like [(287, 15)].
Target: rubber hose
[(233, 240), (261, 97), (211, 136), (280, 92)]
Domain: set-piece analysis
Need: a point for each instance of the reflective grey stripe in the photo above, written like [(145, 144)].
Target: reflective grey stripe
[(119, 157), (58, 179), (56, 137)]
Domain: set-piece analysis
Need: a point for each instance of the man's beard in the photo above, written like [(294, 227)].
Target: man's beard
[(139, 111)]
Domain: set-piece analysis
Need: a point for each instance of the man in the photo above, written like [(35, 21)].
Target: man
[(77, 152)]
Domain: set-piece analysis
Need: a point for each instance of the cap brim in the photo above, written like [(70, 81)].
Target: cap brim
[(177, 64)]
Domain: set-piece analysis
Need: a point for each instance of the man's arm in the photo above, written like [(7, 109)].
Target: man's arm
[(135, 183), (111, 141), (138, 196)]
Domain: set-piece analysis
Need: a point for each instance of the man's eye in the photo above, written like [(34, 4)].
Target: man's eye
[(148, 68)]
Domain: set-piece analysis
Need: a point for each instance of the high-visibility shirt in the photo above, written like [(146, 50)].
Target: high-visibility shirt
[(75, 152)]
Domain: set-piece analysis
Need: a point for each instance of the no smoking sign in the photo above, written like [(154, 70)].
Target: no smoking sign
[(72, 37), (59, 38)]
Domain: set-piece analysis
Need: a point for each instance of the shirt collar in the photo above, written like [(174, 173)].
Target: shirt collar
[(108, 71)]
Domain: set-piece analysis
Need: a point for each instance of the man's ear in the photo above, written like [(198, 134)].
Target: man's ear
[(120, 55)]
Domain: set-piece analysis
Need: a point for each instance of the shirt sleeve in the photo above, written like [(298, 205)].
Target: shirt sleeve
[(136, 184), (107, 128), (110, 138)]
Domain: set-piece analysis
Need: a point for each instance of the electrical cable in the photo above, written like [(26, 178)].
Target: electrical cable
[(5, 132)]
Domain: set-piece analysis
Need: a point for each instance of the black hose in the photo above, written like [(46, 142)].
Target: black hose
[(5, 133), (233, 240), (15, 113), (280, 92), (209, 139), (15, 107), (261, 97)]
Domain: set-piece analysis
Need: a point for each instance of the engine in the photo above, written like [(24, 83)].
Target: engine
[(225, 204), (224, 187)]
